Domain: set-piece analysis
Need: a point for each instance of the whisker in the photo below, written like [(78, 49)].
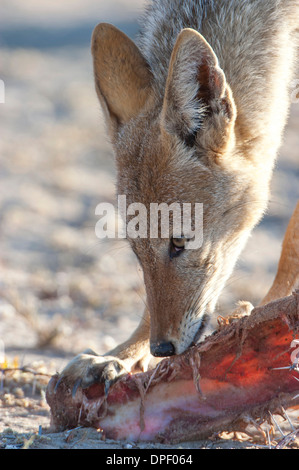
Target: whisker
[(101, 243), (259, 201), (245, 203), (145, 305)]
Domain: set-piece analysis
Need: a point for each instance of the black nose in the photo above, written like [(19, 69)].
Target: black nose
[(162, 349)]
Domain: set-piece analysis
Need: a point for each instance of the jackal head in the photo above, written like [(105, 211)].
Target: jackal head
[(179, 145)]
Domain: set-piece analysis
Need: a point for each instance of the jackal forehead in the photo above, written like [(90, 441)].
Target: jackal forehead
[(155, 169)]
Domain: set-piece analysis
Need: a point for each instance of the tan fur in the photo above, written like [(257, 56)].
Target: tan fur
[(195, 114), (132, 79), (287, 277)]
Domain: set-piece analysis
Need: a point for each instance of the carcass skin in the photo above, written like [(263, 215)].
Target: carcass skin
[(222, 384)]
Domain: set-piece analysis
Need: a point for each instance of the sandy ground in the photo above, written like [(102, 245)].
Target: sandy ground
[(61, 289)]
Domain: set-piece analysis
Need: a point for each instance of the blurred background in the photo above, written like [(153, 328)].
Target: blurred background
[(61, 289)]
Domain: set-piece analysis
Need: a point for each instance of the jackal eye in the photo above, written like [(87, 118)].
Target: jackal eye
[(177, 245), (179, 242)]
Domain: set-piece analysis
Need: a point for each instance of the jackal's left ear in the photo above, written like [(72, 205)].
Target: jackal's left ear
[(198, 104), (122, 75)]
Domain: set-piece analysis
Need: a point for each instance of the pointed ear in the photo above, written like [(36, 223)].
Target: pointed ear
[(198, 103), (122, 76)]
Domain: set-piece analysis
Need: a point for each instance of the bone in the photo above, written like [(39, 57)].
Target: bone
[(237, 376)]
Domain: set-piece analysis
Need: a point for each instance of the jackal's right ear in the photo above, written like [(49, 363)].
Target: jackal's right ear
[(122, 76), (197, 97)]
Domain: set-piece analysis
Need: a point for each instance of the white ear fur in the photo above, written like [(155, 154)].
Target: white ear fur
[(196, 86)]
